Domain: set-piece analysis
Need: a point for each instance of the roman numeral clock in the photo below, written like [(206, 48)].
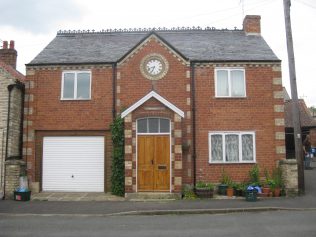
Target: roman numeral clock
[(154, 66)]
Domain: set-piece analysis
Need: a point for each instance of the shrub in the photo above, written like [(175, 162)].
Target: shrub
[(254, 175), (203, 185), (118, 177)]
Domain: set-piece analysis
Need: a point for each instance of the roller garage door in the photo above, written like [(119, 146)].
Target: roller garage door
[(73, 164)]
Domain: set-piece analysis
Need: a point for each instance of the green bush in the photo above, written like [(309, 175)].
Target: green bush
[(226, 179), (118, 169), (203, 185), (254, 175), (188, 192)]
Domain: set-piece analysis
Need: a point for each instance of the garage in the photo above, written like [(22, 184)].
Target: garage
[(73, 164)]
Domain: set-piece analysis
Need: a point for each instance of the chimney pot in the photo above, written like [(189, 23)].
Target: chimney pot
[(8, 55), (251, 25), (5, 44), (11, 44)]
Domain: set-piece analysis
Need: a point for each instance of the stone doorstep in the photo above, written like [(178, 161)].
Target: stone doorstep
[(152, 196)]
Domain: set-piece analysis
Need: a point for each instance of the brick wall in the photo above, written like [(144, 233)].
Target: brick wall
[(45, 111), (15, 118), (13, 170), (261, 111), (15, 123), (174, 87), (255, 113)]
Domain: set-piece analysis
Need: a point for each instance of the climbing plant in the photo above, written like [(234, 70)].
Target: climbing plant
[(118, 178)]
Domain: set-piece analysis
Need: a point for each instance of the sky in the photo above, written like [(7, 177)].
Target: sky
[(33, 24)]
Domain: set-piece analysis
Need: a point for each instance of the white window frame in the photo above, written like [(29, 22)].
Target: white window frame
[(153, 133), (229, 70), (75, 85), (239, 133)]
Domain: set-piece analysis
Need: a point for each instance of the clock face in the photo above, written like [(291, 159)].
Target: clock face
[(154, 66)]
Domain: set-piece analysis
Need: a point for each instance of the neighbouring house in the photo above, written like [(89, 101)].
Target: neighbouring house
[(308, 124), (11, 119), (194, 101)]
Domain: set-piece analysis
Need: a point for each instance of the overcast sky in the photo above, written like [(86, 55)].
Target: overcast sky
[(34, 23)]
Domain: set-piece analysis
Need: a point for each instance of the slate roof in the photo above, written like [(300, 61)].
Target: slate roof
[(306, 118), (194, 45)]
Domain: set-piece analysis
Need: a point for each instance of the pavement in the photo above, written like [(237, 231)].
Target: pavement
[(159, 207)]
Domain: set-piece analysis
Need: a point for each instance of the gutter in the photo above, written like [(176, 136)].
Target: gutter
[(193, 120), (68, 64), (114, 73)]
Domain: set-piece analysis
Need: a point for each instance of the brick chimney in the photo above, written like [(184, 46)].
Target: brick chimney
[(251, 25), (8, 55)]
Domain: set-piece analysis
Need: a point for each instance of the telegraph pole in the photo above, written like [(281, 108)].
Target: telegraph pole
[(295, 102)]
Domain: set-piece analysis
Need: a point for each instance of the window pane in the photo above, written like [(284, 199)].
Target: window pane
[(237, 83), (217, 147), (69, 85), (222, 83), (153, 124), (164, 125), (232, 148), (83, 86), (142, 125), (247, 147)]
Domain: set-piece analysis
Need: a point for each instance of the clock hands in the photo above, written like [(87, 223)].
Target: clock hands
[(151, 69)]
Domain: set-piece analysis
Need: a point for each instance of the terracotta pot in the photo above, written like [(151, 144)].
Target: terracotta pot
[(266, 190), (230, 192), (277, 192)]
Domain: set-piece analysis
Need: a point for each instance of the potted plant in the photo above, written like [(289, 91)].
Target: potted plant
[(254, 176), (239, 189), (278, 181), (268, 183), (204, 190), (222, 187), (230, 188)]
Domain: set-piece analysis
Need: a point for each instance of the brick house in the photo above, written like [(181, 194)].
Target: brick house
[(11, 118), (194, 101)]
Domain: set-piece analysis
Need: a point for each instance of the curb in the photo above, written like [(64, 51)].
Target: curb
[(167, 212), (209, 211)]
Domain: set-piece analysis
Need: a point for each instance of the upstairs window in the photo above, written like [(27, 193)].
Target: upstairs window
[(76, 85), (230, 83)]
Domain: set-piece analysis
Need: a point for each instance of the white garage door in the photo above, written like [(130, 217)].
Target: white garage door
[(73, 164)]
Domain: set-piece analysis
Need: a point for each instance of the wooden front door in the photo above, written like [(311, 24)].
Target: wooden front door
[(153, 163)]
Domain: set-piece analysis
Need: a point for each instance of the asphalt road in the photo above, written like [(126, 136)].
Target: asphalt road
[(277, 223)]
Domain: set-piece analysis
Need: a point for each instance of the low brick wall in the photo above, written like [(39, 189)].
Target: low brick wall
[(290, 175), (13, 170)]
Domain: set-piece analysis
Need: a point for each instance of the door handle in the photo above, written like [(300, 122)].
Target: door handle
[(152, 162)]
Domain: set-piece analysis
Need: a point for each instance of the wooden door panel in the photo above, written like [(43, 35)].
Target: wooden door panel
[(153, 171), (145, 151), (162, 163)]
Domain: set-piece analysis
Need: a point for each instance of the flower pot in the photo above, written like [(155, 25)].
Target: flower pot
[(276, 192), (204, 193), (222, 189), (266, 190), (230, 192)]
